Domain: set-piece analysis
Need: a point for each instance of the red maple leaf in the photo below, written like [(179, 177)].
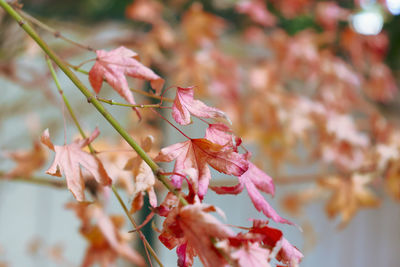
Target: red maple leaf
[(193, 156), (193, 229), (251, 255), (68, 160)]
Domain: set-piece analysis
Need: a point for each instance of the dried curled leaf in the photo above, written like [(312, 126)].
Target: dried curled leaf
[(348, 196), (27, 161)]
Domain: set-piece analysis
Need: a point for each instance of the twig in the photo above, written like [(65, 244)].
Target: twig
[(112, 102), (53, 31), (142, 237), (35, 180), (70, 110)]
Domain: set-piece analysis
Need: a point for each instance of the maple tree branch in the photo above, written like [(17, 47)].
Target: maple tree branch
[(56, 33), (112, 102), (151, 95), (34, 180)]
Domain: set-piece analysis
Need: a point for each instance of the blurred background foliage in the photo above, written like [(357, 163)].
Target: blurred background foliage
[(93, 11)]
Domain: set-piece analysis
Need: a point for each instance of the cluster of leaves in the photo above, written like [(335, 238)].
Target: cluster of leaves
[(184, 224), (318, 87), (188, 224)]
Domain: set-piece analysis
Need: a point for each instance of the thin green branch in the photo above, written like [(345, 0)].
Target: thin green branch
[(146, 243), (53, 31), (112, 102), (65, 99), (152, 95)]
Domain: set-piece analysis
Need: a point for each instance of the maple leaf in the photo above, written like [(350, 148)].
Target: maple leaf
[(145, 10), (195, 154), (272, 237), (348, 195), (288, 253), (106, 242), (257, 11), (114, 65), (68, 159), (252, 255), (328, 14), (200, 27), (392, 179), (222, 135), (193, 229), (255, 179), (143, 176), (27, 161), (185, 104)]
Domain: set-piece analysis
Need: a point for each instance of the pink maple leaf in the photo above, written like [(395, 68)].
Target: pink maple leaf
[(257, 11), (255, 180), (289, 254), (185, 104), (68, 160), (114, 65), (252, 255), (193, 156)]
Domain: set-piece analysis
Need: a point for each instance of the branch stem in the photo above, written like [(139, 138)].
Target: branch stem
[(53, 31), (134, 224), (112, 102), (34, 180), (65, 99)]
